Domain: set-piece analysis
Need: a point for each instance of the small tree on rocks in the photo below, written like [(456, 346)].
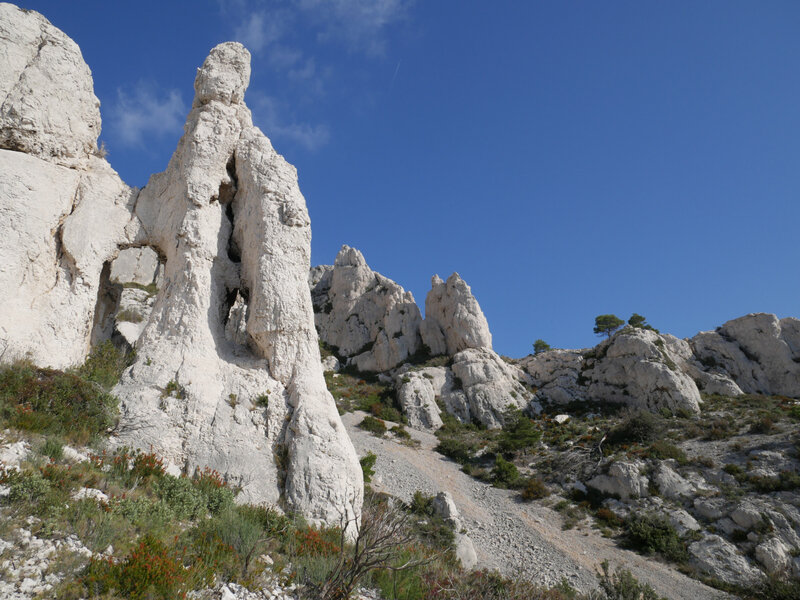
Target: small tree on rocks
[(540, 346), (607, 324)]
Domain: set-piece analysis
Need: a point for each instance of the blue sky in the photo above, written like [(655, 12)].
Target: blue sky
[(566, 158)]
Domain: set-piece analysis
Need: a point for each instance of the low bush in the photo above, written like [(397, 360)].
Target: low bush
[(534, 489), (54, 403), (653, 534), (622, 585), (519, 432), (640, 428), (183, 498), (374, 425), (367, 463), (663, 450), (151, 570), (504, 473)]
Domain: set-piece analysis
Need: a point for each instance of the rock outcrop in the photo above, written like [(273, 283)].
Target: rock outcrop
[(417, 392), (636, 367), (485, 386), (365, 316), (454, 320), (760, 352), (227, 372), (63, 209), (242, 230)]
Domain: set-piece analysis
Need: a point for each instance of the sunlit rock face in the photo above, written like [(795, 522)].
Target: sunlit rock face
[(227, 372), (760, 352)]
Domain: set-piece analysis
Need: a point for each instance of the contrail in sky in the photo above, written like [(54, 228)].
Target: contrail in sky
[(396, 69)]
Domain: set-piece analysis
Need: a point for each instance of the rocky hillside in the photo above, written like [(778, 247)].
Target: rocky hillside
[(173, 374)]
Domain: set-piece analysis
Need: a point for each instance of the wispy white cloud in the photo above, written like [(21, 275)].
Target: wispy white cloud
[(270, 115), (259, 30), (144, 112), (358, 23)]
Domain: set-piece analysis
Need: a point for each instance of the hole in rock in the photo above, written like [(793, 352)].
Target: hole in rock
[(108, 297)]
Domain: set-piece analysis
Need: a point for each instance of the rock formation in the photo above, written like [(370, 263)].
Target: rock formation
[(376, 325), (63, 209), (227, 373), (760, 352), (362, 314), (454, 320), (636, 367)]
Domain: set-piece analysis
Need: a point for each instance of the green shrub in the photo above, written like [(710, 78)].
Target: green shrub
[(218, 496), (151, 570), (373, 425), (129, 315), (54, 403), (663, 450), (519, 431), (105, 364), (456, 449), (143, 511), (608, 517), (504, 473), (367, 463), (53, 448), (26, 486), (421, 504), (535, 489), (183, 498), (653, 534), (622, 585), (640, 428)]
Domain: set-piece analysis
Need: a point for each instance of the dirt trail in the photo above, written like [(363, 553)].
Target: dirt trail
[(516, 538)]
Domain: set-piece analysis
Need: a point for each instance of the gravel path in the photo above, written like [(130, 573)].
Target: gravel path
[(517, 539)]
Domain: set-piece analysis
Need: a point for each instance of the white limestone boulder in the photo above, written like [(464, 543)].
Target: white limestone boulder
[(416, 394), (774, 555), (454, 320), (365, 316), (624, 480), (670, 484), (636, 367), (136, 265), (718, 558), (484, 386), (48, 107), (760, 352), (556, 375)]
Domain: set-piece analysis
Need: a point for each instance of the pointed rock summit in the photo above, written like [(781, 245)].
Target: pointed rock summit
[(229, 218), (454, 320), (227, 372)]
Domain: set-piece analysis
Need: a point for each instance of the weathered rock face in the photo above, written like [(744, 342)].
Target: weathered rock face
[(242, 230), (365, 316), (488, 386), (63, 210), (760, 352), (416, 394), (718, 558), (228, 370), (624, 480), (556, 374), (637, 367), (49, 109), (454, 320)]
